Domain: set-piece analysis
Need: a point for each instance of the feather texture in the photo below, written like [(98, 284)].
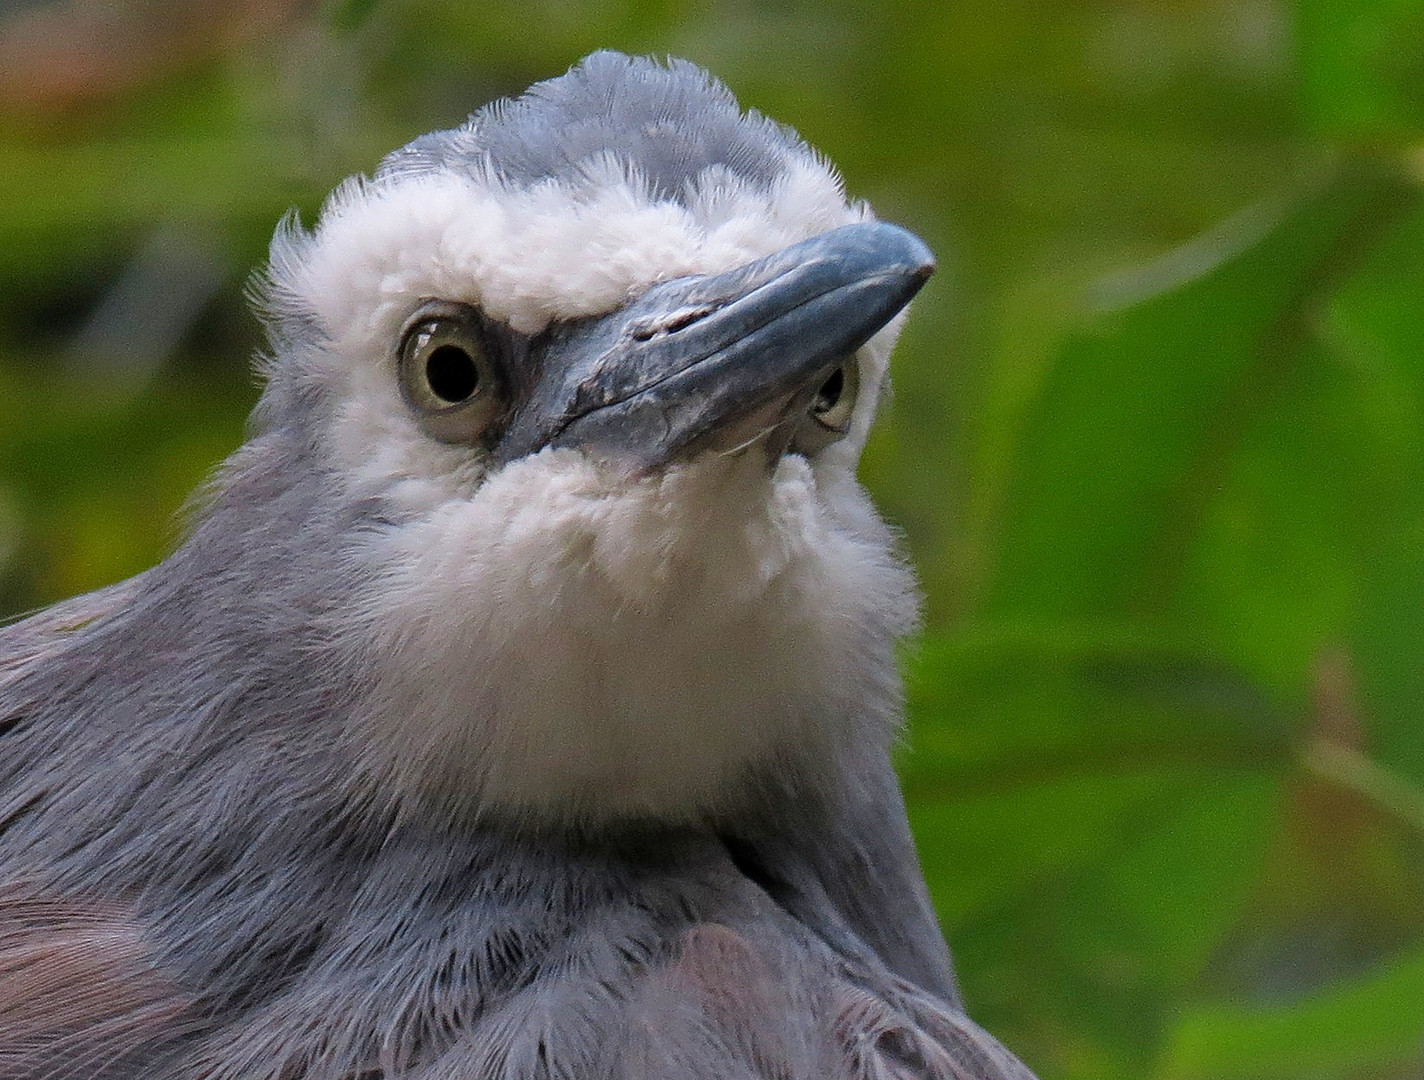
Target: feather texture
[(80, 998)]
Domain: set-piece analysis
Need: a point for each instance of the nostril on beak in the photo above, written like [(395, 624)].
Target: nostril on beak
[(671, 322)]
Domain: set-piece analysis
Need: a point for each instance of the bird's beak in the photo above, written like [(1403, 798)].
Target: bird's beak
[(696, 361)]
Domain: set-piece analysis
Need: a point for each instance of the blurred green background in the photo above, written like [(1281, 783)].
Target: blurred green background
[(1157, 445)]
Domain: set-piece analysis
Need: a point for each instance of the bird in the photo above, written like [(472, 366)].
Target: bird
[(519, 701)]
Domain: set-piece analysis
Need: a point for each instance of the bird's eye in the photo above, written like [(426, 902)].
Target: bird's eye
[(829, 415), (447, 377)]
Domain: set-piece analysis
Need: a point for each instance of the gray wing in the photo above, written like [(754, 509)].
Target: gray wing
[(81, 997)]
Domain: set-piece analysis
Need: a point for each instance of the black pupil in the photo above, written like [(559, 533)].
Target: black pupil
[(452, 373), (830, 392)]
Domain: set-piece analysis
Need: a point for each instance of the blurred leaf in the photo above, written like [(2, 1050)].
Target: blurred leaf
[(1111, 467), (101, 484), (1362, 66), (1374, 326), (1112, 787), (1012, 702), (1272, 568), (1190, 458), (351, 14), (1156, 911), (1015, 838), (1350, 769), (1375, 1020)]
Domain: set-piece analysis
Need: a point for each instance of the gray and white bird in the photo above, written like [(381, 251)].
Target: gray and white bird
[(519, 704)]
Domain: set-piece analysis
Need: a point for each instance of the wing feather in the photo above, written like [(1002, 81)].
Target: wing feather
[(80, 998)]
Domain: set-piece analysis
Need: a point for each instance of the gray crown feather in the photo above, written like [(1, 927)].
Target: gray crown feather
[(667, 123)]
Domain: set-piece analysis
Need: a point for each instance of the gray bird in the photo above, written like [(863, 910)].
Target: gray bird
[(519, 704)]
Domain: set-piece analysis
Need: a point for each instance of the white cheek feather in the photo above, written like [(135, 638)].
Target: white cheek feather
[(570, 641)]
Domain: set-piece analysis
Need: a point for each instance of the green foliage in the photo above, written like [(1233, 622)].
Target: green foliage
[(1157, 446), (350, 14), (1362, 67), (1362, 1022)]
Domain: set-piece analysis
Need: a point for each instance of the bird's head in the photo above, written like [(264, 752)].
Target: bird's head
[(600, 363)]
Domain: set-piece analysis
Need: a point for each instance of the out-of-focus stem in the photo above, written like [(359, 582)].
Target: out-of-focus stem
[(1348, 768)]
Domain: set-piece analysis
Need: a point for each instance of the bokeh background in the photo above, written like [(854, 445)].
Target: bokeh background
[(1157, 445)]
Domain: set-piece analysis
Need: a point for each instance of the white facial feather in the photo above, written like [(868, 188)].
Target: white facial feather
[(570, 641), (558, 638)]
